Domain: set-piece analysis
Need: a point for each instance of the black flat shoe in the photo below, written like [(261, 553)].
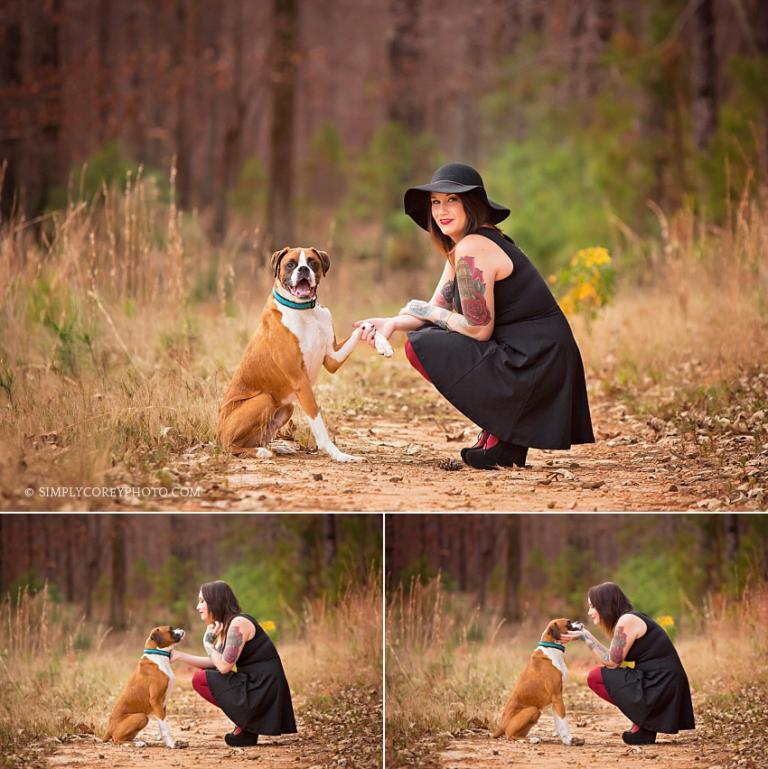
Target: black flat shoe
[(481, 439), (242, 740), (501, 455), (640, 737)]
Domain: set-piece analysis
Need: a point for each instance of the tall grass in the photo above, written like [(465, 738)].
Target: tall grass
[(120, 325), (449, 669), (60, 674)]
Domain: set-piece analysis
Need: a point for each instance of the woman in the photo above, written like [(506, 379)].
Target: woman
[(492, 338), (654, 694), (255, 696)]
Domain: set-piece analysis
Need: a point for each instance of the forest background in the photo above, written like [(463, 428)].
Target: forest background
[(79, 594), (154, 156), (469, 595)]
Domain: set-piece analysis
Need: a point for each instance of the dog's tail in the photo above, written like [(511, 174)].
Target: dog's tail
[(499, 731), (107, 735)]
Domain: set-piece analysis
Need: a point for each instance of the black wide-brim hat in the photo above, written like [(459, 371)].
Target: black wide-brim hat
[(452, 177)]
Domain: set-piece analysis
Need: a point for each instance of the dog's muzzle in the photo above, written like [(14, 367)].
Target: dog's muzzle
[(575, 625), (178, 634)]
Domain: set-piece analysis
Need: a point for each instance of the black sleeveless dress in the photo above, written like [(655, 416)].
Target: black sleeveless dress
[(655, 693), (256, 697), (525, 385)]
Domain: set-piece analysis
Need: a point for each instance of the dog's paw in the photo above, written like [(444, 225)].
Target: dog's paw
[(383, 347), (342, 457), (139, 744), (534, 740)]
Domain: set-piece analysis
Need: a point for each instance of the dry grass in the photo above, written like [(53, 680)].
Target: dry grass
[(440, 680), (60, 675), (120, 326), (699, 309)]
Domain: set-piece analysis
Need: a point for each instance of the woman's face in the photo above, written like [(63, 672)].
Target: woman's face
[(202, 610), (448, 212), (592, 613)]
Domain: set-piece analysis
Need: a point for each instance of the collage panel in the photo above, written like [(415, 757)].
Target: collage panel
[(190, 641), (548, 640)]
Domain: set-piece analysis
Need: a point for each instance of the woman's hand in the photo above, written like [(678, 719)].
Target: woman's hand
[(574, 635), (210, 636), (174, 656), (383, 326)]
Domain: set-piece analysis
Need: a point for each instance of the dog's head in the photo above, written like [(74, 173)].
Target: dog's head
[(297, 272), (557, 627), (164, 636)]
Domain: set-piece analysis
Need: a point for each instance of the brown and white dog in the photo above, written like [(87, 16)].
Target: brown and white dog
[(147, 691), (281, 364), (540, 684)]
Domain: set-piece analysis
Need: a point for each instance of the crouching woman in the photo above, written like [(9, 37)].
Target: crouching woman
[(242, 673)]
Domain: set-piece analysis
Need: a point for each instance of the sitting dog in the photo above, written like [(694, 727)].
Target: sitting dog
[(147, 690), (540, 684), (282, 361)]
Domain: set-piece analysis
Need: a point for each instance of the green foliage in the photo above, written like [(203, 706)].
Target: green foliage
[(325, 167), (73, 330), (569, 575), (249, 195), (652, 584), (110, 166), (29, 583), (174, 588), (394, 160), (587, 283)]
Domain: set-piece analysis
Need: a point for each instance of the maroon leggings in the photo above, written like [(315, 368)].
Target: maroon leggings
[(414, 361), (200, 685), (595, 683)]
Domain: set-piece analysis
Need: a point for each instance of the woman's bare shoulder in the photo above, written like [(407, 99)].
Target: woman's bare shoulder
[(245, 625), (478, 246)]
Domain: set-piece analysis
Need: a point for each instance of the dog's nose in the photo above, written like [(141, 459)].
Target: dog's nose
[(303, 270)]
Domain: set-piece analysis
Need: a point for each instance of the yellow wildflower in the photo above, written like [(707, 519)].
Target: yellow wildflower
[(268, 626)]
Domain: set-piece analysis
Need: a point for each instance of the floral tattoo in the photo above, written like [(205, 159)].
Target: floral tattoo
[(618, 645), (472, 291), (233, 644), (446, 292)]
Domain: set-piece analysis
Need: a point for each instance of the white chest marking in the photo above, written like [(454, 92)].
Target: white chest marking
[(314, 330), (558, 660), (164, 663)]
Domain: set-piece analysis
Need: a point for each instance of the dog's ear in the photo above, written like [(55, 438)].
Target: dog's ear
[(554, 630), (276, 257), (325, 260), (157, 635)]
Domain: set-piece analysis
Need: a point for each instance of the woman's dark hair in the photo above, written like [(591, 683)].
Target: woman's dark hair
[(222, 603), (477, 211), (609, 601)]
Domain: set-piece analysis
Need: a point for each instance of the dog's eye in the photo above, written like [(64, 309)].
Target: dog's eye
[(290, 265), (312, 264)]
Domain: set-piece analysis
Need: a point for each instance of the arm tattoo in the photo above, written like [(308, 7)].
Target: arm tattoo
[(446, 293), (597, 648), (233, 644), (472, 291), (618, 645)]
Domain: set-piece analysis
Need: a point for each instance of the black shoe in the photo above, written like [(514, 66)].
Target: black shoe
[(501, 455), (481, 439), (640, 737), (242, 740)]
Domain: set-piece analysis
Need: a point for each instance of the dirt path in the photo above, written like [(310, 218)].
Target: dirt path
[(600, 725), (631, 467), (202, 727)]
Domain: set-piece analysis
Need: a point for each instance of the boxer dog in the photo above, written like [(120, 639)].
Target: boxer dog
[(282, 361), (147, 691), (540, 684)]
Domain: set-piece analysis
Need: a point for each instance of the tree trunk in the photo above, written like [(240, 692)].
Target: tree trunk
[(117, 617), (405, 103), (704, 74), (92, 548), (513, 572), (283, 86)]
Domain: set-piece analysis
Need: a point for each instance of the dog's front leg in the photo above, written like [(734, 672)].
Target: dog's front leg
[(561, 727), (317, 425), (166, 733), (338, 353)]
